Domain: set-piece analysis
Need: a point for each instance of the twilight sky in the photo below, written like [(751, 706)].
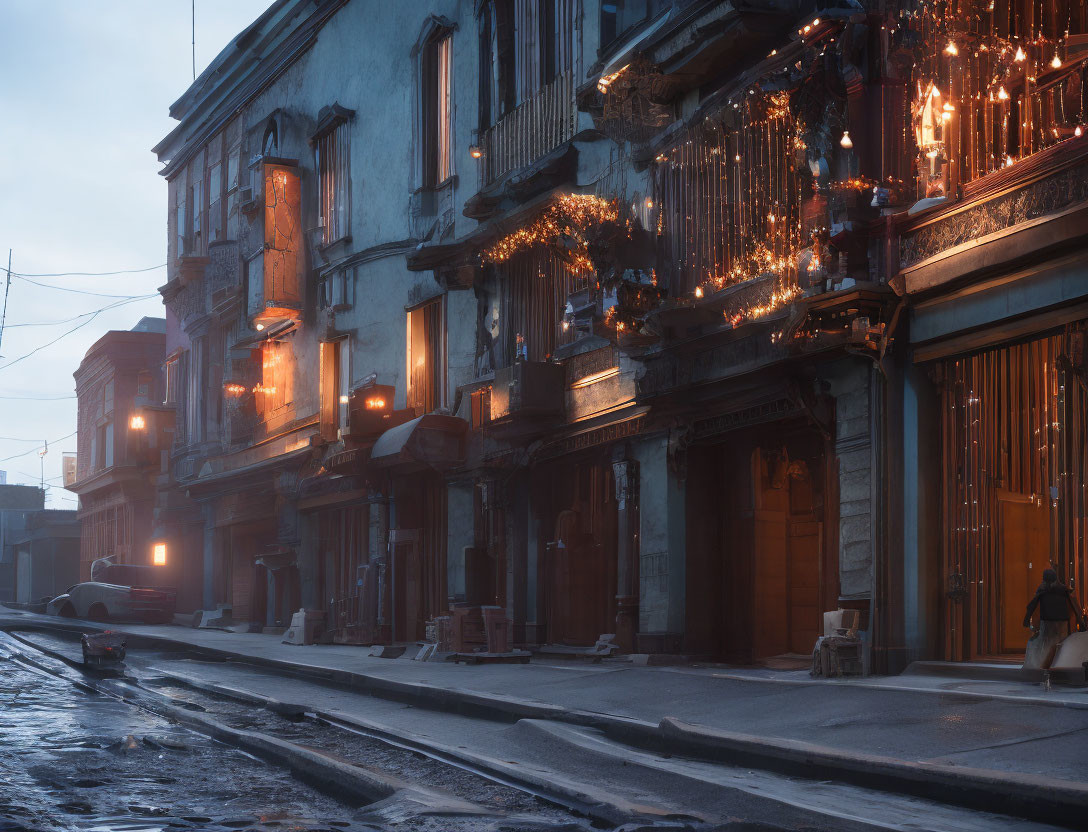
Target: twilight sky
[(85, 86)]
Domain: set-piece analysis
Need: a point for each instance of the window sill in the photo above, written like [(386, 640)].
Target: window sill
[(328, 247)]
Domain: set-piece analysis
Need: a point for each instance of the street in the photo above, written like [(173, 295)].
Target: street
[(418, 768)]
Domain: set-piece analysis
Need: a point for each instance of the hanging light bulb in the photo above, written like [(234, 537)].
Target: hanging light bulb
[(951, 49), (935, 92), (846, 141), (948, 108), (1056, 62), (1002, 95), (1020, 54), (1078, 131), (698, 291)]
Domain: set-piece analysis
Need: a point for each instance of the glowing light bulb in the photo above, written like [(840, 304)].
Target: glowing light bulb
[(1002, 95), (951, 49), (736, 158), (1078, 131), (475, 152), (259, 327), (1020, 54), (846, 141), (1056, 62), (698, 291)]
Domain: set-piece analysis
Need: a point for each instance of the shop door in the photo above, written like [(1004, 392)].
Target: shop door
[(1025, 553), (772, 630), (804, 583), (407, 585)]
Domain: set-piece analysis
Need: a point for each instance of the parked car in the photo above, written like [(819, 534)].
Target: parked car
[(119, 592)]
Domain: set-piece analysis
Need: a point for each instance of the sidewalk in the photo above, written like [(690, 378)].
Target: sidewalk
[(999, 726)]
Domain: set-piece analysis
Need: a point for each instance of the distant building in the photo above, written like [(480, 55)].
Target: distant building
[(121, 432), (46, 555), (16, 501)]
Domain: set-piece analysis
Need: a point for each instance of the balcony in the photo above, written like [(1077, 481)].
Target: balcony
[(527, 394), (530, 130)]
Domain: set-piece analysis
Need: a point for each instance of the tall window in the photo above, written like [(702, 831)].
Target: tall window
[(333, 177), (196, 211), (617, 16), (426, 356), (216, 219), (181, 227), (171, 376), (333, 386), (437, 110)]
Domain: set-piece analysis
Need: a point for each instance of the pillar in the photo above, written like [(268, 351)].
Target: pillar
[(662, 544), (625, 474), (212, 556)]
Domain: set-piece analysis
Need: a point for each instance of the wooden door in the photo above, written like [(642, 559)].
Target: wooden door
[(804, 583), (770, 593), (1024, 554), (407, 585)]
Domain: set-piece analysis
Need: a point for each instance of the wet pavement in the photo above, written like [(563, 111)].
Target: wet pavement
[(74, 759)]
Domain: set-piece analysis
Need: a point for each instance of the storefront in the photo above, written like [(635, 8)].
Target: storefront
[(1013, 502)]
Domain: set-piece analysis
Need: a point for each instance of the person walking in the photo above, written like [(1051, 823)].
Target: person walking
[(1054, 601)]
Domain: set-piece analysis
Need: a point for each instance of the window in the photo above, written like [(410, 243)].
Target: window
[(107, 398), (426, 356), (617, 16), (171, 374), (215, 202), (333, 387), (273, 392), (524, 47), (338, 290), (181, 229), (194, 415), (196, 211), (436, 115), (103, 446), (535, 288), (333, 173)]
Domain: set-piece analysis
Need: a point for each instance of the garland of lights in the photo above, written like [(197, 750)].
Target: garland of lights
[(568, 218)]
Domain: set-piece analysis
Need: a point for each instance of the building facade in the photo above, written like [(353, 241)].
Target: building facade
[(17, 503), (664, 319), (122, 433), (47, 555)]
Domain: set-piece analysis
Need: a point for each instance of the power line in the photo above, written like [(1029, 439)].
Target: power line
[(81, 291), (90, 274), (35, 450), (36, 398), (73, 329), (7, 288), (73, 318)]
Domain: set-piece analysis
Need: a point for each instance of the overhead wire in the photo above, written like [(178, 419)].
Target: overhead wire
[(75, 291), (90, 318), (35, 450), (89, 274), (36, 398)]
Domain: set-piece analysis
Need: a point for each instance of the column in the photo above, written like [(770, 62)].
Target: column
[(625, 473), (662, 544)]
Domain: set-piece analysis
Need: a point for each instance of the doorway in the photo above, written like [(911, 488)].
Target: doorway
[(1013, 502), (577, 572), (758, 573)]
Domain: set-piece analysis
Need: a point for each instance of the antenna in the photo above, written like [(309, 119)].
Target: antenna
[(194, 40)]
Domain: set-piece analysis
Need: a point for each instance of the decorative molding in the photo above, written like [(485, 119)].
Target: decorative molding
[(592, 438), (1045, 196)]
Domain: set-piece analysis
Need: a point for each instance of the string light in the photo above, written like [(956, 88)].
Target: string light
[(846, 141), (568, 217)]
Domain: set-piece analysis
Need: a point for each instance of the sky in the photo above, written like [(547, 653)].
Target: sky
[(85, 89)]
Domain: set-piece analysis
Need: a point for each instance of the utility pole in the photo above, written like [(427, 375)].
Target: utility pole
[(41, 456), (4, 314)]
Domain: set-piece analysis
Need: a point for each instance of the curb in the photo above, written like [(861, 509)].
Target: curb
[(1029, 796), (1023, 795)]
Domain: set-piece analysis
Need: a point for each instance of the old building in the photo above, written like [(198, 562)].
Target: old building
[(16, 503), (993, 359), (47, 558), (122, 433), (673, 320)]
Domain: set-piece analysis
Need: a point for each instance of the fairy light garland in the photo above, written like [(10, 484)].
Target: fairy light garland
[(569, 217)]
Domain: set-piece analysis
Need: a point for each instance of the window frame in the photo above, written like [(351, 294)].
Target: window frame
[(331, 144), (437, 358), (436, 109)]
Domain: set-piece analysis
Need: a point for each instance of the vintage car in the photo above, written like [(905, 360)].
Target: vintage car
[(119, 592)]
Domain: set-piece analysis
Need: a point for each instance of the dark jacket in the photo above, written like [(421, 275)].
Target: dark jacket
[(1054, 601)]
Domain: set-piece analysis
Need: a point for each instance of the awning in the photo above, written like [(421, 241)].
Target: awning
[(431, 441)]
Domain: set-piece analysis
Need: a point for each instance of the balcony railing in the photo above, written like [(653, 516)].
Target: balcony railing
[(529, 131)]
